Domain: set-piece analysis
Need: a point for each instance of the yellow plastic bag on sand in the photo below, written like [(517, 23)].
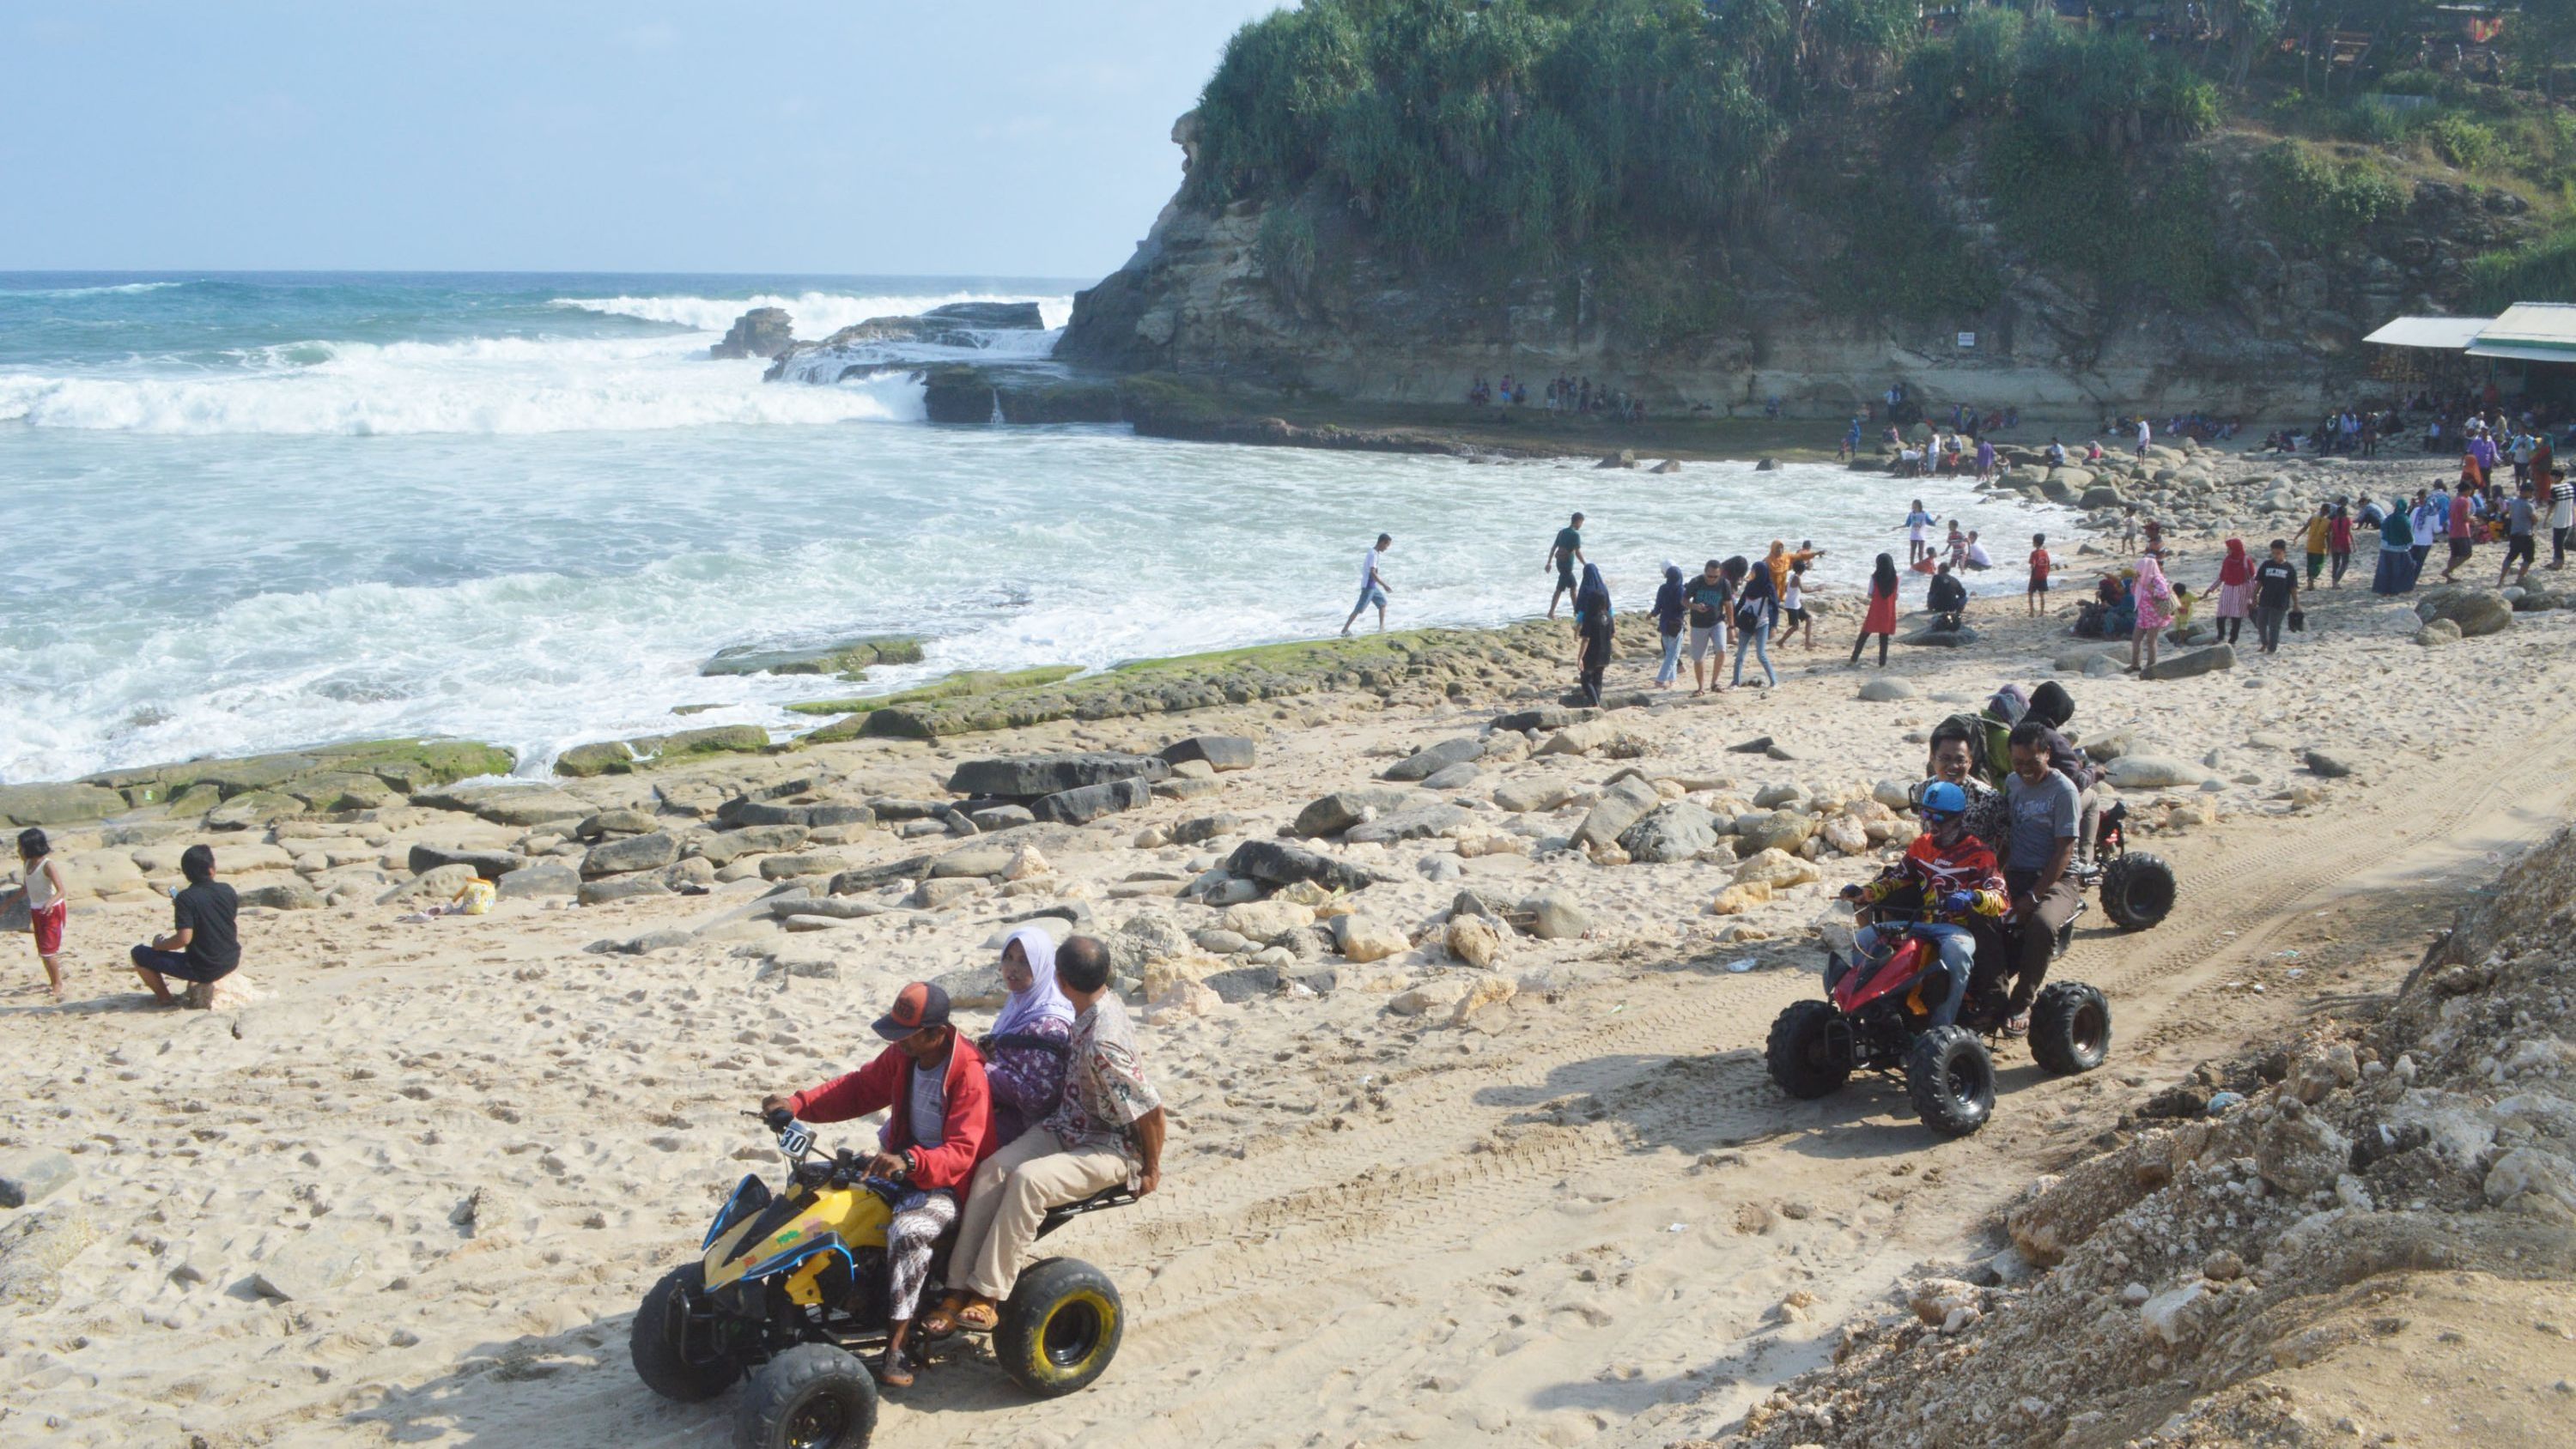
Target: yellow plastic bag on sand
[(477, 897)]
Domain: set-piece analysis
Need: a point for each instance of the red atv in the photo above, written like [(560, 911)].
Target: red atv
[(1879, 1019)]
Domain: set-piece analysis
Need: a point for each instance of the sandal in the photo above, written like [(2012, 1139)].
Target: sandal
[(894, 1370), (942, 1320), (2019, 1026), (978, 1316)]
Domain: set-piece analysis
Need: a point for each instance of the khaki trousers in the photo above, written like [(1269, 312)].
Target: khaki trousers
[(1012, 1192)]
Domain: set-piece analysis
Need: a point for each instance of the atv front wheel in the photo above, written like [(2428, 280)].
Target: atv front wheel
[(659, 1342), (2070, 1028), (2137, 891), (1951, 1080), (1800, 1052), (813, 1396), (1060, 1328)]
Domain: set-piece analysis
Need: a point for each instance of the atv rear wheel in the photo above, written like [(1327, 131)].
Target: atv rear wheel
[(2137, 891), (1060, 1328), (813, 1396), (2070, 1028), (659, 1343), (1800, 1052), (1951, 1080)]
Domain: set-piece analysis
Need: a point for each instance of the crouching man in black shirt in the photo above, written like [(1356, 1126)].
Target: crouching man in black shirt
[(202, 945)]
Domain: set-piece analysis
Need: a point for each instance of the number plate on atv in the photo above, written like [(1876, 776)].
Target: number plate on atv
[(796, 1140)]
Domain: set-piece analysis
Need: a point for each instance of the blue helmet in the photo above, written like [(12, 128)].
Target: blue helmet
[(1943, 798)]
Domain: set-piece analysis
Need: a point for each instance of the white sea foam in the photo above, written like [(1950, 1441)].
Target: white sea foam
[(120, 289), (814, 315), (480, 385)]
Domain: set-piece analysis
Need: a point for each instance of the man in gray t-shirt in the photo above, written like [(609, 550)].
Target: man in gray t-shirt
[(2045, 807), (2520, 521)]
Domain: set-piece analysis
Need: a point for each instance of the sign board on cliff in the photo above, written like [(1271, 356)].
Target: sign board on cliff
[(1967, 339)]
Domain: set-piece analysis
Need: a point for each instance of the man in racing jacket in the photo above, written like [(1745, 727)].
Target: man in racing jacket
[(1946, 879)]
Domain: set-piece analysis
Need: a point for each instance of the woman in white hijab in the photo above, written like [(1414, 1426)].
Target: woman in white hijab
[(1024, 1053)]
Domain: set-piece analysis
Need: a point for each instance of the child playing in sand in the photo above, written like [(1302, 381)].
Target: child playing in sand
[(48, 906)]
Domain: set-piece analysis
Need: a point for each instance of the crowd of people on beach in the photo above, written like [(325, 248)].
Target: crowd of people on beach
[(1561, 395)]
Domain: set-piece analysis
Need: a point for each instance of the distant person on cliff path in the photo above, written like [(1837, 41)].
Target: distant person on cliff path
[(1562, 556), (1372, 585)]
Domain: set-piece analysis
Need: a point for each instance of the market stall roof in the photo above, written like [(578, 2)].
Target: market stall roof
[(2530, 332), (2450, 334)]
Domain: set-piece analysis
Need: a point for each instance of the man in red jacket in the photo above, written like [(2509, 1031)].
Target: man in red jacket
[(938, 1129)]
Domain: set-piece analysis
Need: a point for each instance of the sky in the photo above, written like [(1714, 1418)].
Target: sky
[(956, 138)]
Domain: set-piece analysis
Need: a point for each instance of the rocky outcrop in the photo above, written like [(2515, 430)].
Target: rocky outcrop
[(883, 343), (1196, 299), (760, 332)]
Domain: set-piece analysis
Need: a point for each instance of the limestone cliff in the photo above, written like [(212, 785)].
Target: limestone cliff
[(2282, 335)]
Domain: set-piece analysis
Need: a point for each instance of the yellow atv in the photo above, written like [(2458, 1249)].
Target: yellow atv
[(792, 1289)]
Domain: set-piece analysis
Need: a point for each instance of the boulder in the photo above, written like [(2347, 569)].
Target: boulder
[(1937, 638), (1363, 938), (438, 885), (1001, 817), (1544, 717), (517, 806), (292, 895), (1620, 806), (2332, 767), (1556, 915), (57, 804), (1421, 822), (1430, 996), (2197, 662), (1474, 940), (1423, 764), (633, 853), (2477, 612), (1777, 869), (1454, 777), (760, 332), (974, 860), (1027, 777), (2150, 772), (1780, 830), (725, 849), (628, 887), (1580, 738), (2300, 1152), (1735, 900), (1671, 832), (315, 1261), (1221, 752), (1263, 921), (1343, 809), (615, 822), (544, 878), (1481, 993), (1086, 803), (2437, 633), (797, 867), (30, 1176), (1883, 689), (489, 864), (1523, 796), (1276, 863), (1145, 940)]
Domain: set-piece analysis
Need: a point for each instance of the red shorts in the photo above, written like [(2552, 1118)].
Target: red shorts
[(48, 926)]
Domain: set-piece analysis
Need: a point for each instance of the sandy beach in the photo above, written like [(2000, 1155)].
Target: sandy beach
[(407, 1186)]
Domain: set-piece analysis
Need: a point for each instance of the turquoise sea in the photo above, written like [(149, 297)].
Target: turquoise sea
[(245, 512)]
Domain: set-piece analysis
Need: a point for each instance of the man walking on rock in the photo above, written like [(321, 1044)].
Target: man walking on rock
[(1565, 555), (1372, 585)]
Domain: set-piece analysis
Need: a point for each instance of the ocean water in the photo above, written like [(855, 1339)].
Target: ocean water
[(246, 512)]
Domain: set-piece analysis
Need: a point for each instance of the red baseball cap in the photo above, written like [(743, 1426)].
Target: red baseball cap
[(917, 1006)]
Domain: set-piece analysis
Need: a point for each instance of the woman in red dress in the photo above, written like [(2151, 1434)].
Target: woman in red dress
[(1881, 619)]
